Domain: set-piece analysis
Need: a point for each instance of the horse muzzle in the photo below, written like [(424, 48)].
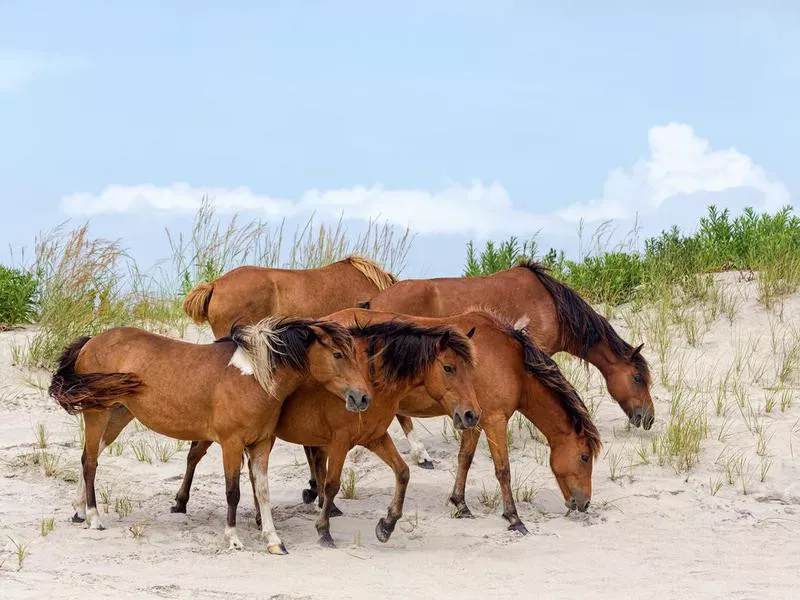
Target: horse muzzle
[(357, 401), (466, 419), (643, 418), (579, 501)]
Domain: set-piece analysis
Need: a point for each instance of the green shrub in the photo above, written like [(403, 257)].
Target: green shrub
[(764, 243), (17, 297)]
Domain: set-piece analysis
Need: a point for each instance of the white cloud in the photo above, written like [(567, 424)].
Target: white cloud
[(680, 164), (18, 69), (475, 208)]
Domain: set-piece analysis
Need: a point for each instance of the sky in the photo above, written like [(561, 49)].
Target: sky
[(458, 119)]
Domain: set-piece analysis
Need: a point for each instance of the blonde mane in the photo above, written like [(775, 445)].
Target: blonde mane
[(276, 342), (370, 269)]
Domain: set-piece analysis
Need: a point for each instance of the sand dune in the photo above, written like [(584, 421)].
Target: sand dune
[(651, 531)]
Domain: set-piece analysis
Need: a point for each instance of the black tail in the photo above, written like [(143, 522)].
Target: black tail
[(76, 393)]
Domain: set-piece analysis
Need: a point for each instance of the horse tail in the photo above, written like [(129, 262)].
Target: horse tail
[(196, 303), (78, 392)]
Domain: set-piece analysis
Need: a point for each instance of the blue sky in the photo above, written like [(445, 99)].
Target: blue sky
[(460, 119)]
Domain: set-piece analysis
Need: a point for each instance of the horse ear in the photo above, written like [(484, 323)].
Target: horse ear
[(364, 304), (637, 350), (444, 341), (471, 332)]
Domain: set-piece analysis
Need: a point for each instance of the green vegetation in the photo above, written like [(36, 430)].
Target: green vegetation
[(17, 297), (766, 244)]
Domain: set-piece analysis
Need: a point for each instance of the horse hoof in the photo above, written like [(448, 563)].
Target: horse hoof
[(335, 512), (383, 531), (277, 549), (426, 464), (97, 526), (519, 527), (463, 512), (258, 522), (326, 541), (178, 508), (77, 519), (309, 496)]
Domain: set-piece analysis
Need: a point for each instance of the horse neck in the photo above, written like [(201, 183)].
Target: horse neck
[(541, 406), (285, 381), (603, 357)]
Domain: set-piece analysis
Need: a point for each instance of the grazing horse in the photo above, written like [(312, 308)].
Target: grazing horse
[(511, 374), (228, 392), (401, 357), (248, 294), (557, 317)]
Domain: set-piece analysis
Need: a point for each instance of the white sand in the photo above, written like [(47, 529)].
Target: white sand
[(650, 533)]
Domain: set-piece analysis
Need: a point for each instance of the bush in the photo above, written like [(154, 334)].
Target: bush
[(767, 244), (17, 297)]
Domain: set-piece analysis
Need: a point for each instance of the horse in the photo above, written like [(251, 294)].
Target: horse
[(229, 392), (399, 356), (511, 374), (247, 294), (558, 319)]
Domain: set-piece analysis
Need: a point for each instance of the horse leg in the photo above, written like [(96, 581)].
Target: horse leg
[(333, 475), (94, 423), (196, 452), (497, 438), (258, 455), (320, 457), (385, 449), (232, 462), (310, 494), (418, 452), (466, 452)]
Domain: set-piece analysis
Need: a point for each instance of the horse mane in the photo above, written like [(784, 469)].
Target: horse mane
[(276, 342), (540, 365), (580, 326), (370, 269), (407, 349)]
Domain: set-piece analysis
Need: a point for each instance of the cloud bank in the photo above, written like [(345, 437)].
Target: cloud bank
[(680, 165)]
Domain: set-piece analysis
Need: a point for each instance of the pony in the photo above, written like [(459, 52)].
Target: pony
[(229, 392), (247, 294), (511, 374)]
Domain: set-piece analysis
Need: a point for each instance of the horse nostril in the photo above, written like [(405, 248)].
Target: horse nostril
[(365, 400), (469, 418)]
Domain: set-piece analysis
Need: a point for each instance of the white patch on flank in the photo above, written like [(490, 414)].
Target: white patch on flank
[(234, 543), (241, 361), (418, 451), (262, 494)]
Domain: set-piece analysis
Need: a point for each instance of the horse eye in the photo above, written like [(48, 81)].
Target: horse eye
[(449, 368), (637, 379), (338, 355), (585, 457)]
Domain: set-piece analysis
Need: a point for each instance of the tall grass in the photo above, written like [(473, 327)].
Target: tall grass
[(17, 297), (87, 285)]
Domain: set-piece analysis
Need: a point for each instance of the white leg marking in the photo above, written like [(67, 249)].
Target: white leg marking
[(234, 543), (267, 526), (418, 451), (93, 519), (241, 361), (79, 502)]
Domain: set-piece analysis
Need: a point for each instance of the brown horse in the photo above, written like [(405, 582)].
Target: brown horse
[(511, 374), (248, 294), (401, 357), (198, 392), (558, 319)]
